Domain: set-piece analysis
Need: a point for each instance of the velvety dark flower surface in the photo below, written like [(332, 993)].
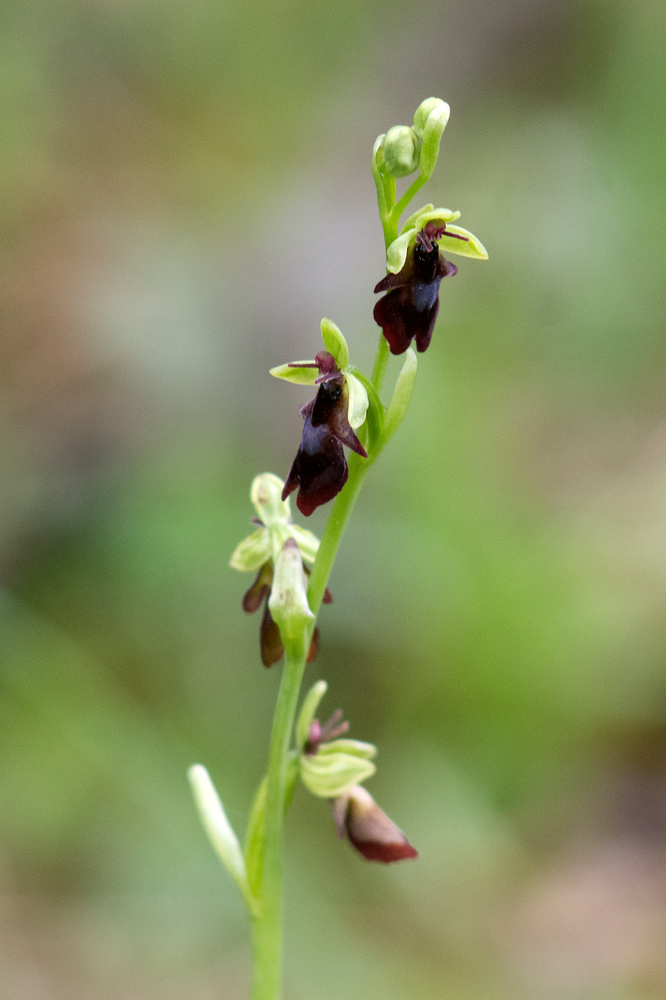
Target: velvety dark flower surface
[(272, 649), (409, 309), (320, 470)]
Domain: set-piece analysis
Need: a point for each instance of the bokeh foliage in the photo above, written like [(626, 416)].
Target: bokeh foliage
[(186, 191)]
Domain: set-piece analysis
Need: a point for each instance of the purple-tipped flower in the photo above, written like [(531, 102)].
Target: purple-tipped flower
[(368, 828), (410, 308), (320, 470)]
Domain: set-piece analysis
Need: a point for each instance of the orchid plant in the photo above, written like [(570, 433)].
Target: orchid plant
[(292, 567)]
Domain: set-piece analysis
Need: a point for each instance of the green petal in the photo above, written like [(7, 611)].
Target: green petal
[(329, 775), (306, 541), (472, 248), (299, 376), (335, 343), (252, 552), (396, 255), (358, 401), (410, 222)]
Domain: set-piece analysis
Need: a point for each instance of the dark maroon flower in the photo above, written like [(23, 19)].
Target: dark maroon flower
[(270, 640), (320, 470), (369, 829), (409, 309)]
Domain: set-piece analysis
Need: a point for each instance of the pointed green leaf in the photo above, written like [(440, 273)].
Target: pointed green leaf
[(335, 343), (299, 376), (374, 418), (219, 830), (252, 552)]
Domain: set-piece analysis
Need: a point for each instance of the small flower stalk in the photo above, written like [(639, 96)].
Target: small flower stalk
[(345, 428)]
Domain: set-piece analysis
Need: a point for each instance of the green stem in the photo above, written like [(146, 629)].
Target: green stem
[(267, 925)]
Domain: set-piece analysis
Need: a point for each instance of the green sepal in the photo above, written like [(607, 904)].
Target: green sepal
[(374, 417), (396, 255), (417, 220), (299, 376), (335, 343), (472, 248), (328, 775), (402, 395), (356, 748), (306, 541), (307, 712), (252, 552)]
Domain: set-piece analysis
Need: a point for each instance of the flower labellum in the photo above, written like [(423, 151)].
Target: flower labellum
[(320, 470), (410, 308), (369, 829)]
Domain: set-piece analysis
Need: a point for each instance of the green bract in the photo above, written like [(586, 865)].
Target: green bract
[(275, 514), (307, 372), (469, 246)]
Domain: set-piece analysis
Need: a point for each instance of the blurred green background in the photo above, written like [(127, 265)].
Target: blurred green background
[(185, 191)]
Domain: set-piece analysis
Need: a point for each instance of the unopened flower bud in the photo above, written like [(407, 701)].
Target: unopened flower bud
[(402, 151)]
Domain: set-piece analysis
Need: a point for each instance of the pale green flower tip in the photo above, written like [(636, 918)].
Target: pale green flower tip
[(307, 712), (335, 343), (266, 497), (295, 374), (358, 401), (252, 552), (431, 105), (288, 602), (402, 151), (306, 541)]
